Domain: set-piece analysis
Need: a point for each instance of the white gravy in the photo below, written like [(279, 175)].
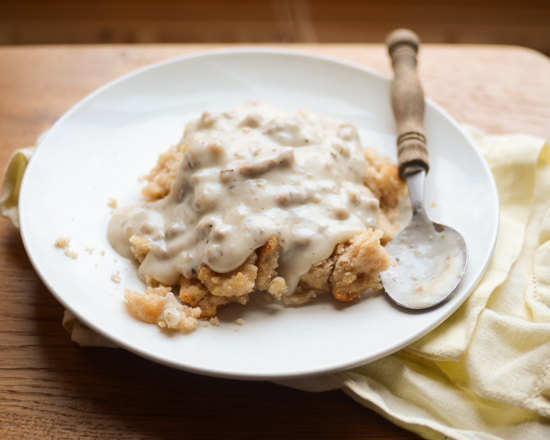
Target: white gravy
[(247, 175)]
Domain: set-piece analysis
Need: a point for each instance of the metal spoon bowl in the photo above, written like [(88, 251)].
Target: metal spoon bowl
[(430, 258)]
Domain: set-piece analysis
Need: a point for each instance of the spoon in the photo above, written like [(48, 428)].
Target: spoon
[(430, 258)]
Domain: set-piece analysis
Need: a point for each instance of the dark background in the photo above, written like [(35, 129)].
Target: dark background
[(517, 22)]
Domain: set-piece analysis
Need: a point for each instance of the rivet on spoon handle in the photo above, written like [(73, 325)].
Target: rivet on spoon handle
[(407, 103)]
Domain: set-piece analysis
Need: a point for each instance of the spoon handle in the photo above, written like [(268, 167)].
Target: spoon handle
[(407, 100)]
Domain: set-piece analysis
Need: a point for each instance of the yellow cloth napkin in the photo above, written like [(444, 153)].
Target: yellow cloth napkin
[(485, 372), (9, 198)]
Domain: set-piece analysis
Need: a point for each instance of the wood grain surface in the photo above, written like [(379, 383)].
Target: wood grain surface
[(50, 388)]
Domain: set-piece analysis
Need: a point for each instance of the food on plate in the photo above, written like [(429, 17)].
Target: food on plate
[(63, 243), (258, 200)]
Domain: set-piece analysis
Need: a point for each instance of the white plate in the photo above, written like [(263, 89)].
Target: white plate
[(99, 148)]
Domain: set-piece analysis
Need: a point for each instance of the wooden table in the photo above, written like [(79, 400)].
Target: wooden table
[(52, 388)]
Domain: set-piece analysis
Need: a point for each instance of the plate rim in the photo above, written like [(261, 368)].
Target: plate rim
[(260, 376)]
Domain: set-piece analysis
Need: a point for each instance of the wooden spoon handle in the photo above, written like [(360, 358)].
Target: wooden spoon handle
[(407, 100)]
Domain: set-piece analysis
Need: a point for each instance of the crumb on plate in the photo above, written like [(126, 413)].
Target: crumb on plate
[(62, 242)]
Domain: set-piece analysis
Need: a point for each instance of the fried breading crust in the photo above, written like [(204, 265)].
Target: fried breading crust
[(163, 174), (359, 265), (148, 307), (382, 178), (352, 268), (195, 294), (192, 291), (144, 307), (277, 287), (389, 229), (210, 303), (317, 278), (238, 282), (300, 297), (268, 261), (140, 247)]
